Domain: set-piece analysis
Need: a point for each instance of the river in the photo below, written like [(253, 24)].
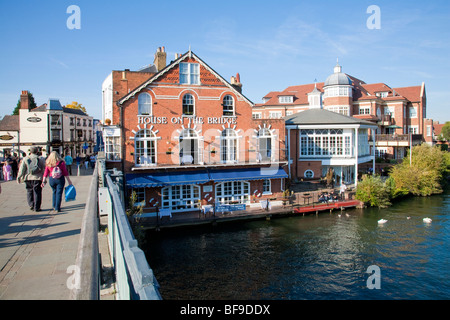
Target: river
[(311, 257)]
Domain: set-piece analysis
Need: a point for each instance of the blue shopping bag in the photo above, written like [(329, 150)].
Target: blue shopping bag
[(70, 193)]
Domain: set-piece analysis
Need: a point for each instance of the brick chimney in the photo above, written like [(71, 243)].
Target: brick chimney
[(160, 58), (24, 100), (236, 82)]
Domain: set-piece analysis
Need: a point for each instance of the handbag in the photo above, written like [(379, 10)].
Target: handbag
[(70, 193)]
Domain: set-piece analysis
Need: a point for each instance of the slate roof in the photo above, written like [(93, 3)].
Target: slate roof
[(9, 123), (324, 117)]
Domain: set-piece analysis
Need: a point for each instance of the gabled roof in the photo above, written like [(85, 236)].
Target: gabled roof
[(324, 117), (10, 123), (300, 94), (175, 63)]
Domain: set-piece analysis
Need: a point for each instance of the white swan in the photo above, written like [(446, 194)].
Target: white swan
[(427, 220), (382, 221)]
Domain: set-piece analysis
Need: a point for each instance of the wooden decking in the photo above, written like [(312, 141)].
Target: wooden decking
[(196, 218)]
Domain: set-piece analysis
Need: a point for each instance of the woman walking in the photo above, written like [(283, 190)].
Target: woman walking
[(57, 172)]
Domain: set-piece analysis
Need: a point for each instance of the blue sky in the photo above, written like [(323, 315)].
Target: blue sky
[(272, 44)]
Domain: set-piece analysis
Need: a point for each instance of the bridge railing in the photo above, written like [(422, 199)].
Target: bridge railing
[(134, 278)]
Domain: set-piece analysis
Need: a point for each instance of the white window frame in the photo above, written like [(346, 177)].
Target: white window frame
[(267, 186), (112, 148), (412, 112), (257, 115), (230, 191), (228, 106), (229, 146), (140, 197), (181, 198), (190, 73), (145, 107), (185, 102), (148, 144), (275, 114), (285, 99)]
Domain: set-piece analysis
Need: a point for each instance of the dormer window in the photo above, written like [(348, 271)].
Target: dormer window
[(285, 99), (189, 73), (382, 94)]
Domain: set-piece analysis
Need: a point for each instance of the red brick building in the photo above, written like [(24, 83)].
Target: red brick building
[(188, 139), (400, 113)]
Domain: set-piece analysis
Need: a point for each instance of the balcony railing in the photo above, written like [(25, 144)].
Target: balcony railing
[(172, 159), (416, 138)]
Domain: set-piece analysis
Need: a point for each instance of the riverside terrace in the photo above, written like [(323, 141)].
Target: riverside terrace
[(299, 203)]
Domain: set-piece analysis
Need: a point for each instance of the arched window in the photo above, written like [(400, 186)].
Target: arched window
[(189, 147), (228, 106), (145, 104), (232, 191), (145, 148), (188, 105), (264, 145), (228, 146)]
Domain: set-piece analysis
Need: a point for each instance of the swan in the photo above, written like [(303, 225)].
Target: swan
[(408, 218), (427, 220), (382, 221)]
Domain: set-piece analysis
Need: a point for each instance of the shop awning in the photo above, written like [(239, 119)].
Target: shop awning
[(221, 175), (166, 179)]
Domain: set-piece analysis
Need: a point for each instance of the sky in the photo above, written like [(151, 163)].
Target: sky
[(271, 44)]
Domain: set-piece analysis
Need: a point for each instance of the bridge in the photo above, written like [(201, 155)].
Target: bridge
[(81, 253)]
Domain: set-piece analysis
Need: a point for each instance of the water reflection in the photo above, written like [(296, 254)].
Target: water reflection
[(311, 257)]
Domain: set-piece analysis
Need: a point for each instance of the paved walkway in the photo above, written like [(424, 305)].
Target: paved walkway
[(37, 248)]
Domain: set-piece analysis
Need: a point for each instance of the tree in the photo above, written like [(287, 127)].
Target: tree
[(445, 133), (31, 105), (424, 175), (76, 105), (373, 191)]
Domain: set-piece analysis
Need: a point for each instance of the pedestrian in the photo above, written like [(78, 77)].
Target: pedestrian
[(68, 160), (14, 165), (7, 171), (86, 162), (57, 172), (31, 171), (342, 190), (92, 159)]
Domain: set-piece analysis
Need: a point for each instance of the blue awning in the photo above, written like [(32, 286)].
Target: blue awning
[(221, 175), (166, 179)]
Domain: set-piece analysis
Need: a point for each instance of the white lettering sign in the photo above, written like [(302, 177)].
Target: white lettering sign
[(184, 120)]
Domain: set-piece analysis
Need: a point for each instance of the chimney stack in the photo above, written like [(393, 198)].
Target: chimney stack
[(24, 100), (236, 82), (160, 58)]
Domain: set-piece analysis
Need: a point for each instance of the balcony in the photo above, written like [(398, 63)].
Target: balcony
[(385, 120), (203, 159), (397, 140)]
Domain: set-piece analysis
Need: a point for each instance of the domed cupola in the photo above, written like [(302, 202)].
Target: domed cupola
[(338, 78)]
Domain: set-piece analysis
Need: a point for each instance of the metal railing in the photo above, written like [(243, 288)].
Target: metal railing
[(134, 278), (87, 263)]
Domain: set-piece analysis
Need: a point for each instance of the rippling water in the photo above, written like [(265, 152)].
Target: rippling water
[(311, 257)]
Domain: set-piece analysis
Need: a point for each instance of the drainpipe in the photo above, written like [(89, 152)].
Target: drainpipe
[(356, 156), (122, 145)]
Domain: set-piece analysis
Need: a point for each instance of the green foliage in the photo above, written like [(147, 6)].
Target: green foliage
[(423, 177), (134, 213), (373, 191), (445, 133), (32, 104)]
